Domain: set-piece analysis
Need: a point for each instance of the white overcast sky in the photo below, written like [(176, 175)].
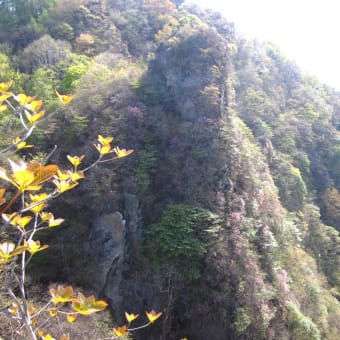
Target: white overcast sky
[(307, 31)]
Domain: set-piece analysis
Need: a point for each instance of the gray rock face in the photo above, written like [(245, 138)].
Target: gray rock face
[(132, 214), (104, 255), (109, 242)]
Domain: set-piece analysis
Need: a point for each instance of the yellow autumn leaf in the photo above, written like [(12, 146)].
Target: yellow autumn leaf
[(55, 222), (20, 178), (75, 160), (5, 96), (63, 186), (35, 208), (53, 312), (8, 250), (10, 218), (34, 105), (75, 176), (24, 145), (62, 294), (36, 199), (23, 221), (104, 149), (131, 317), (23, 179), (5, 86), (45, 216), (41, 332), (120, 331), (17, 220), (19, 144), (104, 140), (49, 218), (13, 309), (64, 99), (28, 176), (34, 246), (122, 152), (87, 306), (62, 175), (153, 316), (71, 317), (33, 118), (23, 99)]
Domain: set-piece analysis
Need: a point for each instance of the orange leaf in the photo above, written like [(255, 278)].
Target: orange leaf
[(2, 198), (31, 310), (41, 332), (120, 331), (14, 309), (42, 173), (65, 337)]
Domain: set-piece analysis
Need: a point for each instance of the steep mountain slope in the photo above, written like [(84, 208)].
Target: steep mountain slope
[(235, 168)]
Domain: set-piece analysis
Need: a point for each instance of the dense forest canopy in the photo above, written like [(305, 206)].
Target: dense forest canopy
[(236, 166)]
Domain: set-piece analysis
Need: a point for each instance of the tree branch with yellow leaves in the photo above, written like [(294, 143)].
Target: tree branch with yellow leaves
[(28, 186)]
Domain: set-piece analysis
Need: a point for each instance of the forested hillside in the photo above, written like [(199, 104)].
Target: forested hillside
[(227, 215)]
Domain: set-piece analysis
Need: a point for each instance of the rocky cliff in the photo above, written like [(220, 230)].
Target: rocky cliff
[(226, 130)]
